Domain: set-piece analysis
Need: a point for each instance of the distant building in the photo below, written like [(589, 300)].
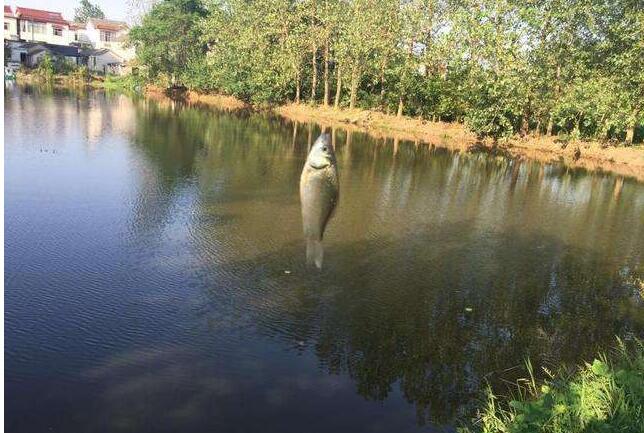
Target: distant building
[(80, 37), (36, 25), (103, 61), (100, 44), (109, 34), (59, 53), (10, 24)]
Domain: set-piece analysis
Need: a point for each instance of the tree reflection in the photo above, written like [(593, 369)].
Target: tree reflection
[(447, 269)]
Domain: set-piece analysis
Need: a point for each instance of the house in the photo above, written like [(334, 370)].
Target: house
[(80, 36), (109, 34), (19, 51), (100, 44), (59, 53), (36, 25), (10, 24), (103, 61)]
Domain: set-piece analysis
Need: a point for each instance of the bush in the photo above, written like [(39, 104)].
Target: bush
[(603, 396), (80, 74), (129, 83), (45, 69)]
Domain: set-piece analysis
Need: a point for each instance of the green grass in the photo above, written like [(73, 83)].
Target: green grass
[(606, 395), (127, 83)]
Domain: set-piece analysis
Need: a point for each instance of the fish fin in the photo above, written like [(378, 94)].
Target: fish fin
[(314, 253)]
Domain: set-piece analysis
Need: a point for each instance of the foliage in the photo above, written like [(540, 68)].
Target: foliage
[(128, 83), (603, 396), (501, 66), (168, 38), (45, 69), (80, 75), (87, 10)]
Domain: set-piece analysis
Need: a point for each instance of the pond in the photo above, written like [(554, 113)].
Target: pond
[(156, 278)]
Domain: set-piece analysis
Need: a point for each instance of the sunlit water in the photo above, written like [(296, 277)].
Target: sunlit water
[(155, 275)]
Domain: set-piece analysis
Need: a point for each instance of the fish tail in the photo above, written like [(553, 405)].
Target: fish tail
[(314, 252)]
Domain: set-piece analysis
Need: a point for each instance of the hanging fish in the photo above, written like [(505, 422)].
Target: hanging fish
[(319, 193)]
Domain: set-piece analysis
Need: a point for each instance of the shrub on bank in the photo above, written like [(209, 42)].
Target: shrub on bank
[(606, 395), (129, 83)]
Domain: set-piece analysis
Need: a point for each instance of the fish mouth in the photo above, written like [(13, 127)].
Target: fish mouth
[(318, 165)]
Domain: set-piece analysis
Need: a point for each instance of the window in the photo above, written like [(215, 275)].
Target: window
[(29, 27), (106, 36), (58, 31), (6, 26)]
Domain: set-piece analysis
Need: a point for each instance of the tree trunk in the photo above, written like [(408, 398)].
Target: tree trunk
[(630, 134), (314, 72), (382, 86), (355, 76), (338, 89), (524, 126), (550, 125), (557, 94), (603, 131), (400, 107), (297, 88), (326, 74)]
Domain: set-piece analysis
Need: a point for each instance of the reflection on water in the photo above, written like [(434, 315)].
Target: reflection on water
[(155, 278)]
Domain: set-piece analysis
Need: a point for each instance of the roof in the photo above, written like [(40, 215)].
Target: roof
[(40, 15), (76, 26), (111, 25), (98, 52), (60, 50), (94, 52), (20, 45), (7, 11)]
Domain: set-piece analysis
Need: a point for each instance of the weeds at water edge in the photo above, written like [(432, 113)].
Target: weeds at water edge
[(606, 395)]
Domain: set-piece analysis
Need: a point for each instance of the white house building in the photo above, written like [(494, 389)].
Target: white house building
[(10, 24), (43, 26), (108, 34), (103, 61), (59, 53), (32, 33)]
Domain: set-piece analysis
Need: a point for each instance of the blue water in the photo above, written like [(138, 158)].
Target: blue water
[(155, 277)]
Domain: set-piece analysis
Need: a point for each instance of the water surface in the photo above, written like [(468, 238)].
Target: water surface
[(155, 275)]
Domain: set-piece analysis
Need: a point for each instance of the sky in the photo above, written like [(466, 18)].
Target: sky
[(114, 9)]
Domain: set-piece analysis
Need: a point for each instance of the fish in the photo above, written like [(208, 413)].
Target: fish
[(319, 195)]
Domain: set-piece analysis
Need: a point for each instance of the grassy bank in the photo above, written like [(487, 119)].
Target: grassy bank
[(591, 155), (77, 79), (605, 395)]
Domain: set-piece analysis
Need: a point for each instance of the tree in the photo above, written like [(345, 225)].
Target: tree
[(87, 10), (169, 39), (500, 66)]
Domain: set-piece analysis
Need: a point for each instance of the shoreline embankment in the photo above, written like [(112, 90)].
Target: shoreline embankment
[(595, 156)]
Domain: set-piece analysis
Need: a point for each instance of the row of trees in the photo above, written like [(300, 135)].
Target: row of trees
[(501, 66)]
